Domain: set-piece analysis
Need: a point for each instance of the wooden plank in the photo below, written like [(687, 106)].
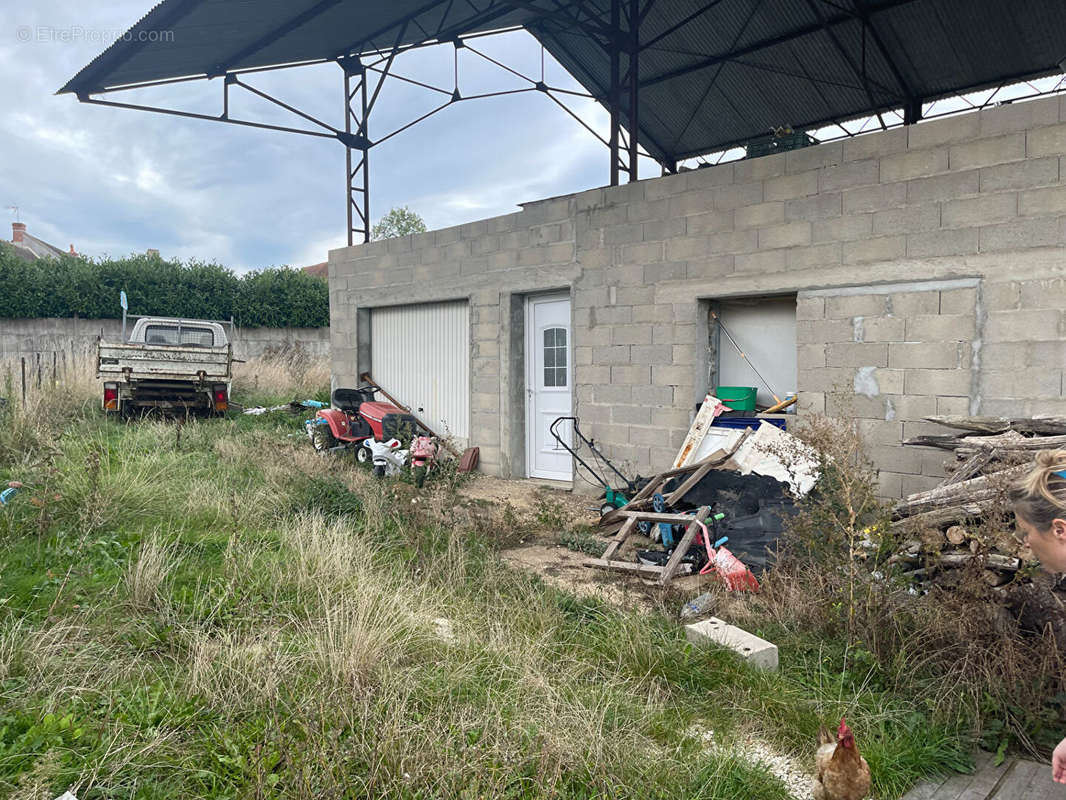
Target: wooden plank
[(658, 480), (682, 547), (709, 409), (1015, 785), (969, 468), (619, 540), (679, 493), (709, 463), (633, 566), (986, 780), (654, 516), (992, 425), (926, 790)]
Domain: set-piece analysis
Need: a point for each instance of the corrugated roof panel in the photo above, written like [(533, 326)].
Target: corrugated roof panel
[(717, 74)]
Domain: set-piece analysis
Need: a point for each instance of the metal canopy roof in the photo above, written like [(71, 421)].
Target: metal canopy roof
[(712, 73)]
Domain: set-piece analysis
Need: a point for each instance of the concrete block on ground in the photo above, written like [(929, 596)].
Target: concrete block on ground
[(757, 652)]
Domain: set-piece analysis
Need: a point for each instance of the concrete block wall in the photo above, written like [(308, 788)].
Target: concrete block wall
[(28, 337), (975, 204)]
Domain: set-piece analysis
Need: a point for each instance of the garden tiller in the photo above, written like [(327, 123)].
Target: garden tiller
[(613, 496)]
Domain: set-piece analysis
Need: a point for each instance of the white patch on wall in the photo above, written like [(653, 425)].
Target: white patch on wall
[(866, 382)]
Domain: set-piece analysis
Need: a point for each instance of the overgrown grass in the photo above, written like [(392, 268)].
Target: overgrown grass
[(210, 610)]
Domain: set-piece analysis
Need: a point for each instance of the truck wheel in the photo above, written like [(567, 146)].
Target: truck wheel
[(322, 438)]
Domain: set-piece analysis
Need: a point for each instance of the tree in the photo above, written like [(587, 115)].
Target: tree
[(398, 222)]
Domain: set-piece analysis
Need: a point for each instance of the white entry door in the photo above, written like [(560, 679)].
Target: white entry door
[(549, 376)]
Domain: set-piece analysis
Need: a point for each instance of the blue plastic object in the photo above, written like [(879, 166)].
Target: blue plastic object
[(7, 494), (666, 530), (746, 422)]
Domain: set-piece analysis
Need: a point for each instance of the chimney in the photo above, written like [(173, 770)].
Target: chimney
[(18, 229), (72, 250)]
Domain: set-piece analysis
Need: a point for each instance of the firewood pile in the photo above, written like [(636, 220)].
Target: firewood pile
[(965, 525)]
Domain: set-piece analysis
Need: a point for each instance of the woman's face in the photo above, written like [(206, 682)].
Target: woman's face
[(1049, 546)]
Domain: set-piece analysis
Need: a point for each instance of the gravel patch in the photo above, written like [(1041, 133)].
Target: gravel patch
[(750, 748)]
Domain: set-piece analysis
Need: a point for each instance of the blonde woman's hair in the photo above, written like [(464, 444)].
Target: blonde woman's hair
[(1040, 496)]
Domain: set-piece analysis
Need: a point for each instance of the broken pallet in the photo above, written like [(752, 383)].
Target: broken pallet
[(673, 565)]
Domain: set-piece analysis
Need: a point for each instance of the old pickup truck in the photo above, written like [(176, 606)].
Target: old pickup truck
[(169, 364)]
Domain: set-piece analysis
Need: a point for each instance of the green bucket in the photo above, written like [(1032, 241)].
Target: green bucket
[(738, 398)]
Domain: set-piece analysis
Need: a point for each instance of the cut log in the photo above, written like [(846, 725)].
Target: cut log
[(975, 489), (956, 534), (969, 468), (932, 539), (974, 444), (992, 560), (961, 512), (1048, 425), (994, 578), (1008, 440)]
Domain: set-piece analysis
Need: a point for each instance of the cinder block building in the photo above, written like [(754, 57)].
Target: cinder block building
[(893, 276)]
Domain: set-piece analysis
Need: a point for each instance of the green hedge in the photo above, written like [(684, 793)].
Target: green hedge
[(72, 285)]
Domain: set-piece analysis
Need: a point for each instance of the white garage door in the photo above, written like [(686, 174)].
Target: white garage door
[(421, 355)]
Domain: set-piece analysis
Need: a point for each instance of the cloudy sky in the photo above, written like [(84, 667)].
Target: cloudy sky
[(113, 182)]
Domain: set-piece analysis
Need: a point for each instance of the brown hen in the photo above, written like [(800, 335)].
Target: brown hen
[(841, 773)]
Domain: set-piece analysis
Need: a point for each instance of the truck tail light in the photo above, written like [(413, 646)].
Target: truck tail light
[(221, 399), (111, 397)]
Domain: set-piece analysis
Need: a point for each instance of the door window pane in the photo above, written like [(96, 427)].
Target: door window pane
[(555, 357)]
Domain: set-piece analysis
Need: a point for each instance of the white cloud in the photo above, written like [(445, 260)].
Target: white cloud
[(115, 181)]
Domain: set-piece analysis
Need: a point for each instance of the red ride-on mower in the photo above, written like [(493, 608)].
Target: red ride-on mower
[(353, 417)]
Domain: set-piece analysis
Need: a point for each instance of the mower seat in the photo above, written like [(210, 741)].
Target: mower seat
[(349, 400)]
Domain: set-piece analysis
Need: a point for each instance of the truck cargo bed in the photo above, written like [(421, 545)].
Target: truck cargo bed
[(163, 362)]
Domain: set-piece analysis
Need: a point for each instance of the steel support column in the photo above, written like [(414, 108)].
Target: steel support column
[(624, 91), (356, 149), (634, 85), (613, 93)]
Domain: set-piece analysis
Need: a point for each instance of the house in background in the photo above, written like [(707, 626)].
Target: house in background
[(31, 248)]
